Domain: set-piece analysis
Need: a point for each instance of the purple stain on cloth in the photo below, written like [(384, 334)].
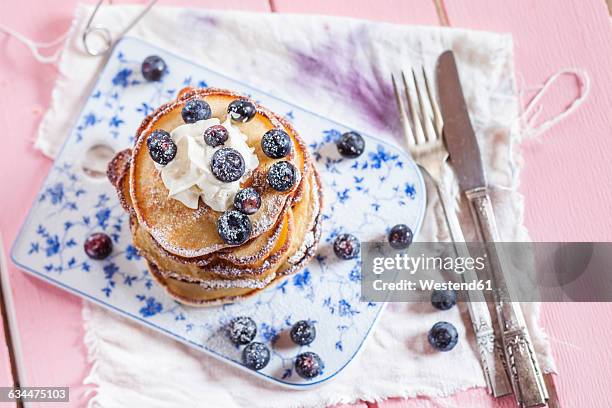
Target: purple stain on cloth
[(333, 65), (199, 27), (205, 19)]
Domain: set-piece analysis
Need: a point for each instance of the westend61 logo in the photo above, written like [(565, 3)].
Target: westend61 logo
[(412, 264), (410, 276), (532, 271), (402, 269)]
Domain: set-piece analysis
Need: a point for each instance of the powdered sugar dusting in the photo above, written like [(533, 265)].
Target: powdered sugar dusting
[(214, 284), (160, 234), (243, 260), (309, 238), (308, 253), (273, 206), (231, 272), (299, 254)]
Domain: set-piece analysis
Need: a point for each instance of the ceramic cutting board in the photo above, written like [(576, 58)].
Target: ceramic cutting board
[(363, 196)]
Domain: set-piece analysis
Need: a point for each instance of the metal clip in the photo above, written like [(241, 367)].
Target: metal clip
[(105, 39)]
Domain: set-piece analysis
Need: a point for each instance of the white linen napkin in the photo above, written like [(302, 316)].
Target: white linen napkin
[(340, 68)]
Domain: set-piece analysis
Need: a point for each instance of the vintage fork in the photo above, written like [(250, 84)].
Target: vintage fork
[(423, 137)]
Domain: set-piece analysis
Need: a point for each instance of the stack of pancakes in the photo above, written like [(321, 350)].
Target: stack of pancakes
[(183, 249)]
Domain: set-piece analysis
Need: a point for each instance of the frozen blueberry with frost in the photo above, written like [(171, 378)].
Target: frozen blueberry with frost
[(247, 201), (234, 227), (400, 236), (351, 145), (162, 148), (241, 110), (443, 336), (282, 176), (241, 330), (443, 299), (308, 365), (194, 110), (98, 246), (256, 356), (303, 332), (227, 164), (346, 246), (153, 68), (215, 135), (276, 143)]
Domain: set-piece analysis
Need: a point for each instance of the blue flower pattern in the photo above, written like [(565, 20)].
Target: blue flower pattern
[(359, 194)]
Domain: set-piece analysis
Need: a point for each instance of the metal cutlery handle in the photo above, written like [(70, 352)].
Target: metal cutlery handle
[(488, 344), (524, 370)]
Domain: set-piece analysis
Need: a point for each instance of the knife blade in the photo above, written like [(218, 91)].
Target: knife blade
[(460, 139), (458, 132)]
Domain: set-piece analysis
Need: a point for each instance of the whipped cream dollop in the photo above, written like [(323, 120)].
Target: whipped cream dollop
[(189, 176)]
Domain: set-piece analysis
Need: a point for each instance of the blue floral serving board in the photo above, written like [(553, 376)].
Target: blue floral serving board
[(364, 196)]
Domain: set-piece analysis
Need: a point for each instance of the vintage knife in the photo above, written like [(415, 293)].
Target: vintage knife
[(523, 368), (489, 351)]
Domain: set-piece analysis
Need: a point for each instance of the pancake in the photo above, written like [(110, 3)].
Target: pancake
[(204, 294), (118, 174), (182, 246), (290, 238), (200, 295), (184, 231), (248, 255), (216, 269)]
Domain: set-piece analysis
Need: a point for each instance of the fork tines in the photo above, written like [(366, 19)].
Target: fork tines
[(425, 123)]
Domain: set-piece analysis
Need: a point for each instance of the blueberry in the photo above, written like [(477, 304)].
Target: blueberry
[(303, 332), (308, 365), (215, 135), (161, 147), (347, 246), (282, 176), (443, 299), (256, 356), (196, 109), (400, 236), (234, 227), (241, 110), (351, 145), (227, 165), (241, 330), (98, 246), (247, 201), (153, 68), (443, 336), (276, 143)]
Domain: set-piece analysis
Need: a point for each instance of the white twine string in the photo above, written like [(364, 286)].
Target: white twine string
[(36, 47), (533, 110)]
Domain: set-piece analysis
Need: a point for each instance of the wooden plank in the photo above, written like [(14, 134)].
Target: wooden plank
[(50, 319), (548, 36), (422, 12), (8, 365), (567, 177), (566, 180)]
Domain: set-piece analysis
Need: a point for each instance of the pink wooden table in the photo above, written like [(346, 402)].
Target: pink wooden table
[(567, 181)]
